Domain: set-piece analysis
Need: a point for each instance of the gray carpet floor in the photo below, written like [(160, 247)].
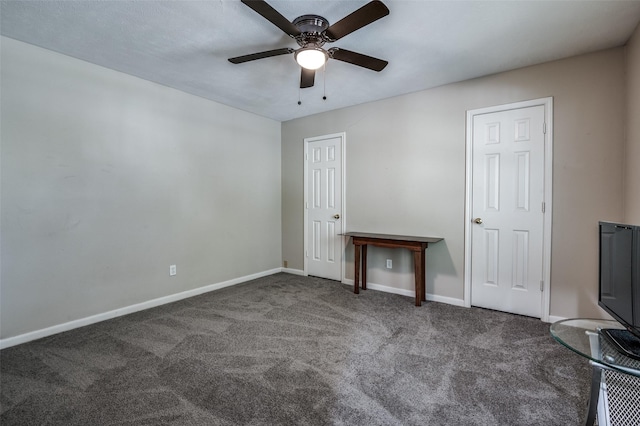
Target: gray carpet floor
[(290, 350)]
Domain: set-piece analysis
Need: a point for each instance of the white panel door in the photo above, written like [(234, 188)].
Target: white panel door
[(324, 207), (508, 211)]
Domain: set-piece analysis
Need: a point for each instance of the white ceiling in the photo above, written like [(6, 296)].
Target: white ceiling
[(185, 44)]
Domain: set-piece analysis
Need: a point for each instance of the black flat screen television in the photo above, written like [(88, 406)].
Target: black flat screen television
[(619, 289)]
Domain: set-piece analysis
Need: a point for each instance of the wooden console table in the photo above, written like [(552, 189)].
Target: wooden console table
[(416, 244)]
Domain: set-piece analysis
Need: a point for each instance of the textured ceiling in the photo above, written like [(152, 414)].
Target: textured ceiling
[(185, 44)]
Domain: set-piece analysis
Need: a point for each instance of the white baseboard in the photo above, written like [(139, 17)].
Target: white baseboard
[(409, 293), (293, 271), (553, 318), (448, 300), (38, 334)]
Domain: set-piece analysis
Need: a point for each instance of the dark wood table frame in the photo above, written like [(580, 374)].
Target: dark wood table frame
[(417, 245)]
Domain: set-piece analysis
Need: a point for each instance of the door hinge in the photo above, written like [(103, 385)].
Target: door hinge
[(541, 285), (306, 205), (306, 253), (544, 207), (306, 157), (544, 128)]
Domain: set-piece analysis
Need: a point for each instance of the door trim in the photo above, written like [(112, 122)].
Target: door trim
[(548, 193), (343, 210)]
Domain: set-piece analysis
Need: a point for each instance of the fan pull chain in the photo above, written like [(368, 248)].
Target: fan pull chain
[(299, 101), (324, 82)]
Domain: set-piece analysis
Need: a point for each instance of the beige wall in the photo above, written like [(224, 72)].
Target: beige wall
[(632, 155), (108, 179), (406, 171)]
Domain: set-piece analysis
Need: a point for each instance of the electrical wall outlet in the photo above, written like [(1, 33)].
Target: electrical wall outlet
[(285, 264), (389, 264), (172, 270)]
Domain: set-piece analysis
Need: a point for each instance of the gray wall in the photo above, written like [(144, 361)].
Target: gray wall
[(108, 179), (632, 154), (405, 160)]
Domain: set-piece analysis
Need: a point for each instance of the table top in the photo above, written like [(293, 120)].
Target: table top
[(572, 333), (393, 237)]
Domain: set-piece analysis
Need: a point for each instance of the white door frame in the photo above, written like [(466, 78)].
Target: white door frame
[(547, 199), (343, 210)]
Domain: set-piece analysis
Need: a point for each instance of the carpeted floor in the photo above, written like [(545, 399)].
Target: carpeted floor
[(290, 350)]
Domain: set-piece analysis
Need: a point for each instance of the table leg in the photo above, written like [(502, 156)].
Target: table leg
[(356, 278), (364, 266), (596, 375), (417, 266), (423, 278)]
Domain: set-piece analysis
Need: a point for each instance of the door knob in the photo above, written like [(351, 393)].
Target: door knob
[(336, 216), (477, 220)]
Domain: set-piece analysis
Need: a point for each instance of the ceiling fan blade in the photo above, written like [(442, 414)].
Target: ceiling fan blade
[(261, 55), (367, 14), (358, 59), (269, 13), (307, 78)]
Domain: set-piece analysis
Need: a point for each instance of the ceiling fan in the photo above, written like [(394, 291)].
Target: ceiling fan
[(311, 32)]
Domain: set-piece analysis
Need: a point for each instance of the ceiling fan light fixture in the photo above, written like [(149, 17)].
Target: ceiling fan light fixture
[(311, 58)]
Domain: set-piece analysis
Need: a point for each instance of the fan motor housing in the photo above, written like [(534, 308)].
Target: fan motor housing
[(312, 29)]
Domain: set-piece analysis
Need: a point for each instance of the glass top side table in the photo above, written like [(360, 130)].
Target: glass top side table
[(574, 334), (583, 337)]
